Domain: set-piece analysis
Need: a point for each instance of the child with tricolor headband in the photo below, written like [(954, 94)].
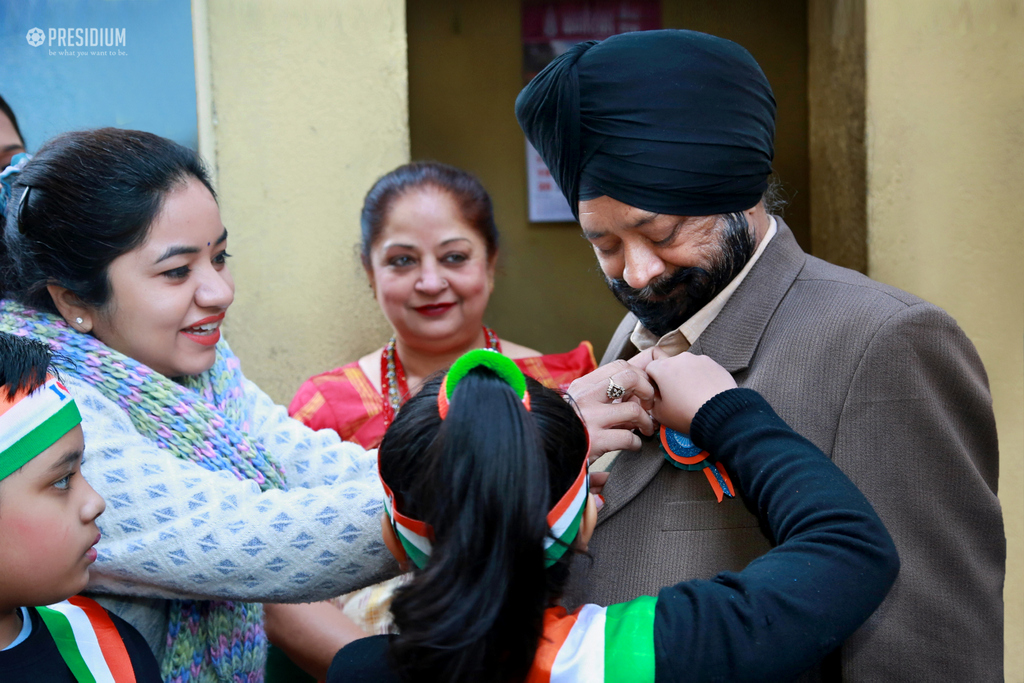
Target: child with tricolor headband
[(487, 498), (47, 532)]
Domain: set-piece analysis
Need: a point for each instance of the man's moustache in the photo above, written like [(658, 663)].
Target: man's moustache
[(657, 290), (665, 304)]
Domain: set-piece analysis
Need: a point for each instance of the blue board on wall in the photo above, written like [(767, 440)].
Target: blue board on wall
[(95, 63)]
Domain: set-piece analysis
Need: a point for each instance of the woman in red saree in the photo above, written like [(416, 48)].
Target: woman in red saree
[(429, 247)]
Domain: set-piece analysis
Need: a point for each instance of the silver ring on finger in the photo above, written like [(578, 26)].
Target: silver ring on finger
[(614, 390)]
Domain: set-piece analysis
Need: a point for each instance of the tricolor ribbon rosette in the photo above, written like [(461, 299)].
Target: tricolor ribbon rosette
[(683, 454)]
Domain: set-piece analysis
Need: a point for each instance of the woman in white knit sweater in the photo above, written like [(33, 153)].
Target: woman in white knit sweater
[(113, 251)]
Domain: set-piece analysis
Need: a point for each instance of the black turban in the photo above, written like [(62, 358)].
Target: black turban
[(674, 122)]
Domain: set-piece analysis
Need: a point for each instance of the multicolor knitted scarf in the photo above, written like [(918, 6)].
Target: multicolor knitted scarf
[(200, 420)]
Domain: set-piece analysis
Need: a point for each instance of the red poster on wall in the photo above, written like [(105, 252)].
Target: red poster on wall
[(549, 29)]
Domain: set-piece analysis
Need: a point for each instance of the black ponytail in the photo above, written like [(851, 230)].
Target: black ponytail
[(484, 478)]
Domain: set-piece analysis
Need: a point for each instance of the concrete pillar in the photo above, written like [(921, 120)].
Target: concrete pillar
[(307, 104), (836, 108)]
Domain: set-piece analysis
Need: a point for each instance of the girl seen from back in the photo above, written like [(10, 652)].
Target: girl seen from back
[(485, 480)]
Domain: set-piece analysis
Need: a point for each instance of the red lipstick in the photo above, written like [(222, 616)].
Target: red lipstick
[(208, 336), (434, 310)]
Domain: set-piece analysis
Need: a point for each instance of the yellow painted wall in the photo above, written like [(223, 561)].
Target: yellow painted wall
[(945, 134), (465, 70), (309, 106)]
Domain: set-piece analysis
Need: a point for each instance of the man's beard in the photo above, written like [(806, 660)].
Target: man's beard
[(666, 303)]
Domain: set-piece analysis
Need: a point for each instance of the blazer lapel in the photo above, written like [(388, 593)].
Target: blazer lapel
[(633, 469), (620, 346), (631, 472), (730, 340)]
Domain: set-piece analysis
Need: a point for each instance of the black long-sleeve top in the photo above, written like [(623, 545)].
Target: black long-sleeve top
[(832, 566)]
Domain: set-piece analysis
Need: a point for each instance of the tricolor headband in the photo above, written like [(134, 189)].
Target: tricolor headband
[(33, 421), (564, 518)]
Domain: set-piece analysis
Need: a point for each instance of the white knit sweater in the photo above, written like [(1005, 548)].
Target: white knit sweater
[(173, 529)]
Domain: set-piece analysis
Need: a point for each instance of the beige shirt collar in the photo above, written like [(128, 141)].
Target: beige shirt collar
[(681, 339)]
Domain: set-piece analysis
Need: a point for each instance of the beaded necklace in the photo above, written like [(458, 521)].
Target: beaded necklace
[(393, 386)]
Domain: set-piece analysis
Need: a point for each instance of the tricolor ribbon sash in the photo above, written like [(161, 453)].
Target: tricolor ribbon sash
[(88, 641), (613, 644), (33, 421), (682, 453)]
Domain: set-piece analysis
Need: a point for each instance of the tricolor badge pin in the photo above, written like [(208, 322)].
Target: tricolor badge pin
[(682, 453)]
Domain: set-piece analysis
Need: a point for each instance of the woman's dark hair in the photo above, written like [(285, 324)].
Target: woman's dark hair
[(484, 478), (91, 197), (464, 187), (6, 110)]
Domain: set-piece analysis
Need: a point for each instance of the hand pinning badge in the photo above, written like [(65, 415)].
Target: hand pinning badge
[(681, 452)]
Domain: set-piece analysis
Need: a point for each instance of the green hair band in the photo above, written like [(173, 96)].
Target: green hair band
[(498, 363)]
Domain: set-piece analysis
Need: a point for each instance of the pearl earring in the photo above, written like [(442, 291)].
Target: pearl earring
[(79, 321)]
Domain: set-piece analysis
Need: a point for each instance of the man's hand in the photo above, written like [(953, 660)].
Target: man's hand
[(611, 421), (685, 383), (644, 358)]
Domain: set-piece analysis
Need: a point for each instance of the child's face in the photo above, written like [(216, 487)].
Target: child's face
[(48, 526)]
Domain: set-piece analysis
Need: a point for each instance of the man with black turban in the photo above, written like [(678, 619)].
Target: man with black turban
[(662, 142)]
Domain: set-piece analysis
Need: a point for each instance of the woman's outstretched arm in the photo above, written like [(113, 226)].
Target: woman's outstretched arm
[(176, 530)]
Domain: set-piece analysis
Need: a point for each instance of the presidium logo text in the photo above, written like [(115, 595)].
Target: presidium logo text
[(78, 37), (82, 38)]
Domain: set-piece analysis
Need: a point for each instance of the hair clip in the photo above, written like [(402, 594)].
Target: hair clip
[(7, 178), (21, 205)]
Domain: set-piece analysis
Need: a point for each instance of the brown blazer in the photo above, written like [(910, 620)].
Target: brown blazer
[(893, 391)]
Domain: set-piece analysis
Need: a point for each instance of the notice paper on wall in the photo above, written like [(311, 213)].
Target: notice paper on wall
[(547, 204)]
